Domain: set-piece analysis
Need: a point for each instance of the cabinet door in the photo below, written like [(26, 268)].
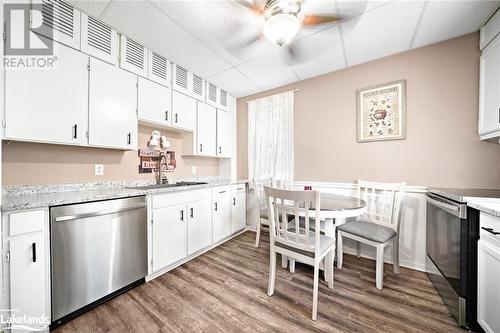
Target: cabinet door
[(28, 276), (169, 235), (206, 130), (238, 212), (488, 296), (224, 130), (153, 104), (489, 91), (199, 225), (221, 216), (112, 106), (184, 111), (49, 105)]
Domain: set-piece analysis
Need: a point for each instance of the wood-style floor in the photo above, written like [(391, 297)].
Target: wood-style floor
[(224, 290)]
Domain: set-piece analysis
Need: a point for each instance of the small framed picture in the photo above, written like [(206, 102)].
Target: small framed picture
[(382, 112)]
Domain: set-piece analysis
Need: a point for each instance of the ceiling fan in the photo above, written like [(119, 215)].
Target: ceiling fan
[(283, 19)]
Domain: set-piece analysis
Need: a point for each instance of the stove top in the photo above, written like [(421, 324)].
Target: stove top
[(461, 194)]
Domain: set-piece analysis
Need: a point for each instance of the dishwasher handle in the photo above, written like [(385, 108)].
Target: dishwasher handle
[(456, 209), (98, 213)]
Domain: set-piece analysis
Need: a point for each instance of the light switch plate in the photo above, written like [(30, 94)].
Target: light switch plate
[(99, 169), (194, 170)]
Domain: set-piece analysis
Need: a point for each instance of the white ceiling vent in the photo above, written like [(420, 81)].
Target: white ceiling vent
[(223, 98), (159, 65), (197, 85), (181, 77), (212, 93), (99, 40), (133, 56), (60, 22)]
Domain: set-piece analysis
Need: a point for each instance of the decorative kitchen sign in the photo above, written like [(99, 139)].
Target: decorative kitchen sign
[(382, 112), (149, 159)]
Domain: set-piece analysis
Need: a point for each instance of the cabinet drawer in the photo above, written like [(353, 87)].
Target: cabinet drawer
[(24, 222), (221, 191), (489, 225), (171, 199), (238, 188)]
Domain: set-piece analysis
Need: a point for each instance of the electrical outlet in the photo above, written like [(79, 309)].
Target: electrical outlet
[(194, 170), (99, 169)]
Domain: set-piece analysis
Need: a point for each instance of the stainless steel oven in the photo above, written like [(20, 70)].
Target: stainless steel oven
[(451, 242)]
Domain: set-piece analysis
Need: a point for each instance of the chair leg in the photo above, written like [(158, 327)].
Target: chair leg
[(358, 249), (330, 278), (395, 255), (340, 249), (257, 234), (272, 272), (284, 261), (380, 267), (292, 265), (315, 291)]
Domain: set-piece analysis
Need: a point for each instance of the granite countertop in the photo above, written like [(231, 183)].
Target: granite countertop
[(487, 205), (41, 196)]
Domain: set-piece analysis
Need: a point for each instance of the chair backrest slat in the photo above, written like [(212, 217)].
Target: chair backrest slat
[(297, 204), (383, 201), (258, 186)]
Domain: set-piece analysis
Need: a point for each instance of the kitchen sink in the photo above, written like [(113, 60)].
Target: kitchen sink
[(158, 186)]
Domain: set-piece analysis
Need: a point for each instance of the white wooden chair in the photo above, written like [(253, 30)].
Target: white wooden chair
[(297, 243), (258, 186), (379, 226)]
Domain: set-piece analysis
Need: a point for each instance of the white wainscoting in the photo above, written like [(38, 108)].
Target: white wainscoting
[(412, 232)]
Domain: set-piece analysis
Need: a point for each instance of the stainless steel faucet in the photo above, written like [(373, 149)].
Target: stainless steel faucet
[(162, 160)]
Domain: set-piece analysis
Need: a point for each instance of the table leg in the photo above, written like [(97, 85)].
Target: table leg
[(338, 221), (328, 263)]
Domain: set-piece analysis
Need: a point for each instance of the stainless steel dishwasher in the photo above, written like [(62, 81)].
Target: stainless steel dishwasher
[(98, 250)]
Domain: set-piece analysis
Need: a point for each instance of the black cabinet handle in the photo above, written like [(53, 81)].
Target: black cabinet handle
[(201, 146), (182, 215), (216, 206), (33, 249), (75, 131), (191, 214), (220, 150), (176, 117), (166, 115), (491, 231), (234, 201), (129, 138)]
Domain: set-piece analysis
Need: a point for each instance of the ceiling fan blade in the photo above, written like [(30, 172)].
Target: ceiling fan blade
[(252, 5), (294, 55), (312, 20)]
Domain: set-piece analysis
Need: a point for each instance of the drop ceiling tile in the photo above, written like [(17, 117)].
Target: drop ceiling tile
[(144, 22), (381, 32), (93, 8), (270, 70), (322, 53), (234, 82), (444, 20)]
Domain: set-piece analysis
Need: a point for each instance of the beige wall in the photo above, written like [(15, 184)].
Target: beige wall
[(31, 163), (442, 146)]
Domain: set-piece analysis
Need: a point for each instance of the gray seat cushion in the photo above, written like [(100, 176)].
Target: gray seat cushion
[(325, 242), (368, 230)]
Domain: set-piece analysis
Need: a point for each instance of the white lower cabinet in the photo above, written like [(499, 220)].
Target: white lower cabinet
[(169, 235), (488, 296), (27, 253), (238, 207), (112, 107), (221, 213), (199, 225)]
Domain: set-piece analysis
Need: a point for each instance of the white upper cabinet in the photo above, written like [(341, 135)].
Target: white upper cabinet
[(183, 112), (217, 97), (49, 105), (133, 56), (490, 30), (206, 131), (153, 103), (99, 40), (224, 132), (112, 107), (60, 22), (188, 83), (489, 91), (159, 69)]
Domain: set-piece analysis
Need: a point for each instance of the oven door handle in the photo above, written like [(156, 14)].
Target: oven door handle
[(457, 210)]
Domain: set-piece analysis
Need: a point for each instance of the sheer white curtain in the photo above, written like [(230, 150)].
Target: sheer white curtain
[(270, 138)]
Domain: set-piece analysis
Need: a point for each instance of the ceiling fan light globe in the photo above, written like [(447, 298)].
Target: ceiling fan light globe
[(280, 29)]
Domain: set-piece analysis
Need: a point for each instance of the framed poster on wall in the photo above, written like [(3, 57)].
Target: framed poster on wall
[(382, 112)]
